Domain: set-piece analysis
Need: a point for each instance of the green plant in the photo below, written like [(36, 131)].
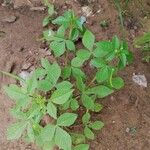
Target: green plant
[(61, 92), (143, 42)]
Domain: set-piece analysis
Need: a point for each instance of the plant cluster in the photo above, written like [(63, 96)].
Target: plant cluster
[(144, 43), (62, 92)]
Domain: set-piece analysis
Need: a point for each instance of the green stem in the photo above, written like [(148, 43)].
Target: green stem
[(111, 76)]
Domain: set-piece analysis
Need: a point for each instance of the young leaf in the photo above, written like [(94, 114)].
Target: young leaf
[(81, 147), (88, 133), (117, 83), (60, 96), (48, 34), (58, 48), (63, 139), (70, 45), (86, 118), (115, 43), (52, 110), (78, 73), (48, 132), (97, 125), (74, 104), (66, 119), (88, 40), (45, 63), (51, 9), (66, 72), (15, 131)]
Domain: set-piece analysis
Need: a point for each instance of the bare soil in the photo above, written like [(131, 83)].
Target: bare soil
[(128, 108)]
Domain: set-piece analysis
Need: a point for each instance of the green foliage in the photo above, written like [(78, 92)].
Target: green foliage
[(143, 42), (59, 92)]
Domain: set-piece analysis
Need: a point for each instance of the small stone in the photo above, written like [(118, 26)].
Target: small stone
[(87, 11), (140, 80), (26, 66), (127, 130), (9, 19)]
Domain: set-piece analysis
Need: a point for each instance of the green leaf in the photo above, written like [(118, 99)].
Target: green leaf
[(45, 63), (60, 96), (80, 84), (45, 85), (32, 83), (58, 48), (59, 20), (97, 125), (98, 107), (30, 133), (77, 138), (52, 110), (115, 43), (83, 54), (74, 34), (102, 75), (61, 31), (78, 73), (74, 104), (70, 45), (66, 119), (117, 83), (16, 93), (88, 133), (102, 49), (81, 147), (51, 9), (123, 59), (47, 133), (48, 34), (86, 118), (63, 139), (66, 72), (15, 131), (46, 21), (87, 102), (54, 73), (101, 91), (77, 62), (64, 85), (98, 62), (88, 40)]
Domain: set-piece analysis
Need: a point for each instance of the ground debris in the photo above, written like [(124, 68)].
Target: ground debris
[(9, 19), (87, 11), (38, 8), (140, 80)]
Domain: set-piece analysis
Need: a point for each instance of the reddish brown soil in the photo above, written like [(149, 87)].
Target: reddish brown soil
[(127, 108)]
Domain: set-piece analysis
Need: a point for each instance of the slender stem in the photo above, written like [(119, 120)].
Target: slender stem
[(92, 81)]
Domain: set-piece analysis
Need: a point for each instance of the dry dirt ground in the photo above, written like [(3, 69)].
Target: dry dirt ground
[(127, 109)]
